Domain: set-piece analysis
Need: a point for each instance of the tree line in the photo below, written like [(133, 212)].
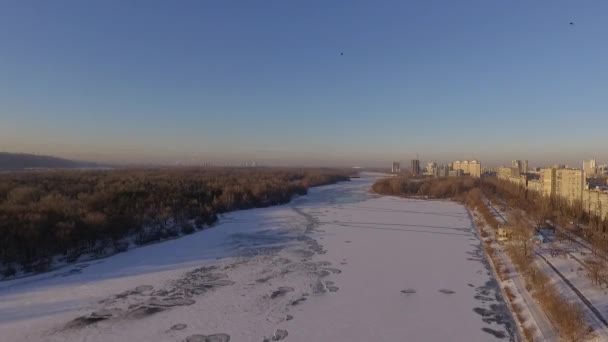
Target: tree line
[(444, 187), (69, 213), (541, 208)]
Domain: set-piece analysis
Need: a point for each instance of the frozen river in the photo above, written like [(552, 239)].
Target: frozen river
[(337, 265)]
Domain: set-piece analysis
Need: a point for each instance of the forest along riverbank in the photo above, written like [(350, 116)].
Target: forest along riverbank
[(338, 264)]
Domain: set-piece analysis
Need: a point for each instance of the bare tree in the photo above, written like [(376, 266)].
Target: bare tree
[(541, 212), (596, 269), (522, 232), (594, 241), (572, 326)]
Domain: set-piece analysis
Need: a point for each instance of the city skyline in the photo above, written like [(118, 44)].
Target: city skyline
[(308, 83), (373, 163)]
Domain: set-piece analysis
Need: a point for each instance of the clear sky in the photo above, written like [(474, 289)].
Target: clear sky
[(306, 82)]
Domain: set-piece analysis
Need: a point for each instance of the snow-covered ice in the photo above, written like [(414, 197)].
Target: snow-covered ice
[(339, 264)]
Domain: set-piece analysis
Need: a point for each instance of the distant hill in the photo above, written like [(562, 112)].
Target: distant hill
[(20, 161)]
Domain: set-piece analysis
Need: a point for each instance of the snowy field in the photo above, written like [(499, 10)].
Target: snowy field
[(336, 265)]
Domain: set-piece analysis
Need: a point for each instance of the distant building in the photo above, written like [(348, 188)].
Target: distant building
[(507, 172), (471, 168), (516, 165), (396, 167), (431, 167), (455, 173), (563, 183), (570, 184), (547, 177), (415, 167), (442, 171), (503, 172), (519, 174), (589, 167), (519, 167), (595, 202), (535, 185)]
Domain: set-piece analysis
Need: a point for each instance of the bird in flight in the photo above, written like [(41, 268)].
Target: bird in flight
[(341, 53), (571, 23)]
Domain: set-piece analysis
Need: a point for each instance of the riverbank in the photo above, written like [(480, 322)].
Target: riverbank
[(51, 219)]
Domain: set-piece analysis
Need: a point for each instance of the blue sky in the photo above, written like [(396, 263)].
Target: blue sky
[(160, 81)]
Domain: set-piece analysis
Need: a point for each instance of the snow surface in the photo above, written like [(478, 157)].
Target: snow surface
[(338, 264), (572, 266)]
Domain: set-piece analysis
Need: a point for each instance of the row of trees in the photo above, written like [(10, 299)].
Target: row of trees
[(568, 317), (531, 206), (539, 207), (44, 214), (555, 209), (452, 187)]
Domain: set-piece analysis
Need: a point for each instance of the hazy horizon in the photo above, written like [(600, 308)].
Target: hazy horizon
[(352, 83)]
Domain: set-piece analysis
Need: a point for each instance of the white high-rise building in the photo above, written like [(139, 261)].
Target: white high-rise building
[(396, 167), (519, 167), (431, 167), (471, 168), (589, 167)]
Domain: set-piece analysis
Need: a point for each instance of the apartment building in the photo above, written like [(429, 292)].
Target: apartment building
[(431, 168), (535, 185), (569, 184), (547, 178), (589, 167), (563, 183), (471, 168), (442, 171), (415, 167), (513, 174), (595, 202), (519, 166), (504, 173), (396, 167)]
